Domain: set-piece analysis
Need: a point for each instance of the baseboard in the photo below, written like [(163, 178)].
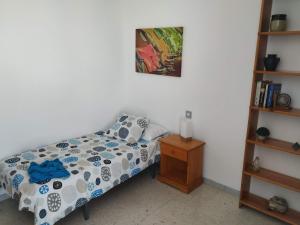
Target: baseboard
[(221, 186), (3, 197)]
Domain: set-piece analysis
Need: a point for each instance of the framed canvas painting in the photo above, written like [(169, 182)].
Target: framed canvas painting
[(159, 51)]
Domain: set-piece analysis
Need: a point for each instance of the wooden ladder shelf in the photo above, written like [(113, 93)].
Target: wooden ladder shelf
[(246, 198)]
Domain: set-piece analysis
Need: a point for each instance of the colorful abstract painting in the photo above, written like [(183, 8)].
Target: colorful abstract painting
[(159, 51)]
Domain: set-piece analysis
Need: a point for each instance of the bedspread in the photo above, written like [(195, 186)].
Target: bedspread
[(96, 163)]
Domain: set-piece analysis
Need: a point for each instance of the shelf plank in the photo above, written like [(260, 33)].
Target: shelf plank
[(275, 144), (273, 177), (293, 112), (260, 204), (279, 73), (282, 33)]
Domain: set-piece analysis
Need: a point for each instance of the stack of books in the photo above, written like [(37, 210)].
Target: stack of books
[(267, 93)]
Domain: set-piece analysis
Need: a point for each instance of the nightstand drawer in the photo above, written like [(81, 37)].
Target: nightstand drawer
[(173, 152)]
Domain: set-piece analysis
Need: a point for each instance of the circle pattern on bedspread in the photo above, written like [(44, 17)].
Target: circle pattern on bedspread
[(123, 133), (54, 202), (43, 213), (74, 141), (107, 155), (70, 159), (57, 185), (87, 175), (94, 159), (44, 189), (116, 169), (105, 173), (97, 193), (91, 186), (137, 161), (107, 161), (27, 189), (144, 155), (80, 202), (12, 172), (123, 118), (62, 145), (74, 172), (112, 144), (68, 210), (22, 167), (28, 156), (99, 149), (129, 156), (98, 181), (69, 194), (142, 123), (100, 132), (124, 177), (125, 164), (135, 171), (81, 186), (116, 182), (27, 201), (17, 181), (13, 160)]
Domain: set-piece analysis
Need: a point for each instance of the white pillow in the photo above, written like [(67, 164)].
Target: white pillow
[(153, 131), (128, 128)]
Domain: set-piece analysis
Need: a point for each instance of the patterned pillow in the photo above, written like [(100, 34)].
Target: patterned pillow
[(128, 128)]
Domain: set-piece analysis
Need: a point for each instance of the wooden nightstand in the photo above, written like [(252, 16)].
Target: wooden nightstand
[(181, 163)]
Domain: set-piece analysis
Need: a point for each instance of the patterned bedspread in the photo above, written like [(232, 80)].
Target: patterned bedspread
[(96, 163)]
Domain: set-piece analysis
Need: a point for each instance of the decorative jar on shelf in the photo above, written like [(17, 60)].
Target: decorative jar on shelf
[(278, 23), (271, 62)]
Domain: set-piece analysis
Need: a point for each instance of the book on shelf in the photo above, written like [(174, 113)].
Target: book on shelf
[(268, 83), (266, 93), (274, 90), (257, 95), (262, 93)]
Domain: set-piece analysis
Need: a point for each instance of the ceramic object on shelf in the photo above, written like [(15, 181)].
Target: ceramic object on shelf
[(271, 62), (278, 204), (255, 165), (284, 101), (296, 146), (263, 133), (278, 23)]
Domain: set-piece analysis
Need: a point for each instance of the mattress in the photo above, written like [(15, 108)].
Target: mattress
[(96, 163)]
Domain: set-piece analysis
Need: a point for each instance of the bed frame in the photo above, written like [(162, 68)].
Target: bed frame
[(152, 169)]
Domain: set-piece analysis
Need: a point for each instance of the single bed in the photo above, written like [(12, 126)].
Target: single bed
[(96, 162)]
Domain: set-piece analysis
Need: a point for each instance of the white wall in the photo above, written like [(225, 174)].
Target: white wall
[(59, 70), (218, 56)]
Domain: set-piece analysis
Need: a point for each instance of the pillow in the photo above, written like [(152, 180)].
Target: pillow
[(153, 131), (128, 128)]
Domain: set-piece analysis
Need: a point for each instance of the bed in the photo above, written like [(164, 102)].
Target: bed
[(96, 163)]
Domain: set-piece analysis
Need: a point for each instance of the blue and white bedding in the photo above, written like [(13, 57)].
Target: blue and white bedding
[(97, 163)]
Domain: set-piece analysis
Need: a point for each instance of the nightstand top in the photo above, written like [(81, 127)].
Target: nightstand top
[(175, 140)]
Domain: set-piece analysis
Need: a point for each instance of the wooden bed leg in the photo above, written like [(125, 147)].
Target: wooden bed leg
[(86, 214), (153, 171)]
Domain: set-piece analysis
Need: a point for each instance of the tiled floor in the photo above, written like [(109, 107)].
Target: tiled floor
[(143, 201)]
